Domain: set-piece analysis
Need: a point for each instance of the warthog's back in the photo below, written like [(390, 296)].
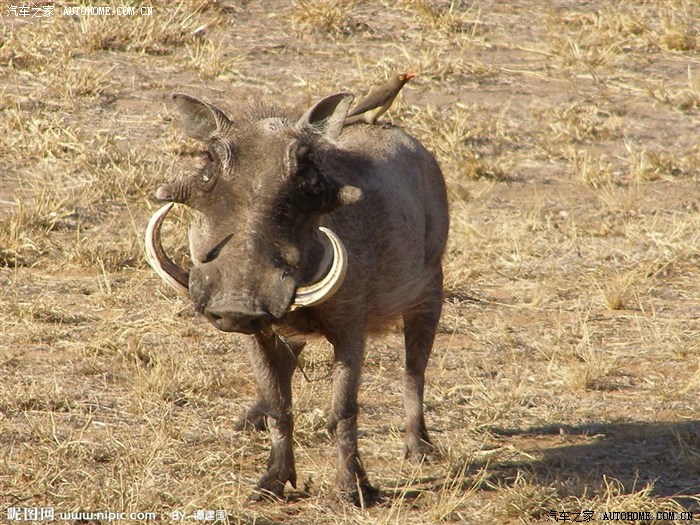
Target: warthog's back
[(397, 233)]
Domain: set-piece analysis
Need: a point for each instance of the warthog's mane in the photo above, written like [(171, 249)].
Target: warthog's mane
[(244, 110)]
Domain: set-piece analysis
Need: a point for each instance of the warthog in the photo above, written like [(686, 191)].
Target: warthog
[(305, 227)]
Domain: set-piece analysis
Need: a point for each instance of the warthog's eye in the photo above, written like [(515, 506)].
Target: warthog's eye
[(304, 158), (206, 174), (209, 166), (306, 166)]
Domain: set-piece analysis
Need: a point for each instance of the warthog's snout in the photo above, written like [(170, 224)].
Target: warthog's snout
[(236, 318), (245, 311)]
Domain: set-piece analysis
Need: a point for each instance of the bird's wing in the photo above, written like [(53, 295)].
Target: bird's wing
[(374, 99)]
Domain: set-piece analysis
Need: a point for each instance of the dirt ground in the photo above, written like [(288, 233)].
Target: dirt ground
[(566, 374)]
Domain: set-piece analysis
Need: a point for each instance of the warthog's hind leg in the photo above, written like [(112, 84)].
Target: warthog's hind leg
[(420, 325)]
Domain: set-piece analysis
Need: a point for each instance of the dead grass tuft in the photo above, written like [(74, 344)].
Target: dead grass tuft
[(689, 442), (526, 496), (590, 369), (645, 165), (597, 173), (434, 64), (616, 496), (590, 40), (585, 120), (600, 38), (210, 61), (23, 49), (461, 136), (153, 35), (332, 18), (678, 31), (682, 98), (42, 135), (450, 18)]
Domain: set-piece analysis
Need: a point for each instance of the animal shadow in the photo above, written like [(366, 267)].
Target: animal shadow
[(635, 454)]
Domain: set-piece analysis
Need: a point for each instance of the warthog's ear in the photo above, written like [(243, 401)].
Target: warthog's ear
[(328, 114), (199, 119)]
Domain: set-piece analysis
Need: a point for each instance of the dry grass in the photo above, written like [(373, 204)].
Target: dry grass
[(455, 17), (209, 60), (155, 35), (330, 18), (565, 374)]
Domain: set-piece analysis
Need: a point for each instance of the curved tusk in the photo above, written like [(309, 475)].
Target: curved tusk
[(324, 289), (170, 272)]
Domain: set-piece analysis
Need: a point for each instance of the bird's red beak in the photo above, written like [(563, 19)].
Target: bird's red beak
[(410, 76)]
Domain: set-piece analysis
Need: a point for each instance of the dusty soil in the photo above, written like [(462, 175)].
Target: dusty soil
[(566, 373)]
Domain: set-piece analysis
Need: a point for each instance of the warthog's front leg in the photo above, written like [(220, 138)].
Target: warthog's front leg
[(274, 363), (255, 417), (351, 478)]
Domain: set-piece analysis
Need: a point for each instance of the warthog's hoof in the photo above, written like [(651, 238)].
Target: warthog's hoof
[(271, 485), (363, 496), (420, 453), (265, 495)]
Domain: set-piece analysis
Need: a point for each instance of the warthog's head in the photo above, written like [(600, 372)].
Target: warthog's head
[(256, 246)]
